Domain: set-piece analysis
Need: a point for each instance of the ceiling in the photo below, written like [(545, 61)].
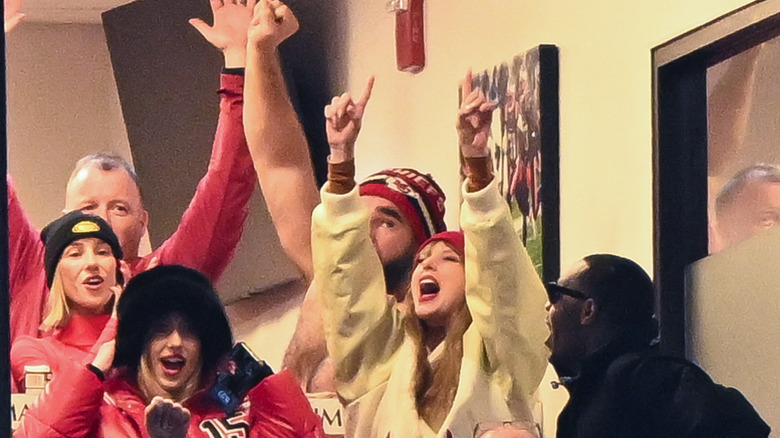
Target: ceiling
[(67, 11)]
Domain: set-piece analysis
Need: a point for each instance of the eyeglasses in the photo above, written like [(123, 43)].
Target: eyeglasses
[(555, 292)]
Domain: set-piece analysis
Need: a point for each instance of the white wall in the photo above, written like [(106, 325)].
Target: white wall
[(605, 102)]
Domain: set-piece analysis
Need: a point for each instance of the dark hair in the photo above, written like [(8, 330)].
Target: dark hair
[(107, 161), (624, 293), (760, 172), (163, 291)]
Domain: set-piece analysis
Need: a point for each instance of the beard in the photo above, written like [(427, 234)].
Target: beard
[(398, 273)]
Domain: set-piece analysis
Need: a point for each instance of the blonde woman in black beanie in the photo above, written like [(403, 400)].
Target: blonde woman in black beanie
[(82, 261)]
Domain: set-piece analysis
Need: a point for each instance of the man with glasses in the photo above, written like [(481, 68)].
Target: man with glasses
[(601, 341)]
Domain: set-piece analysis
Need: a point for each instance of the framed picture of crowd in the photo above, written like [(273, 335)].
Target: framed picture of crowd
[(523, 144)]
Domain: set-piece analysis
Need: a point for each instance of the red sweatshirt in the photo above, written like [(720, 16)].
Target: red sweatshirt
[(205, 240)]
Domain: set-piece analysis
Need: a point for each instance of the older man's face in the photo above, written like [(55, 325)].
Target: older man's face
[(114, 196), (756, 208)]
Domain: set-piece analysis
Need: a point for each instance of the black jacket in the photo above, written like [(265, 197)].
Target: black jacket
[(625, 393)]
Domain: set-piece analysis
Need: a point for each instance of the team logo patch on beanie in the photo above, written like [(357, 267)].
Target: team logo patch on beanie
[(85, 227), (417, 195), (76, 225)]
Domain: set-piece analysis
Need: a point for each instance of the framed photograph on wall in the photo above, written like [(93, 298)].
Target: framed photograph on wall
[(524, 144)]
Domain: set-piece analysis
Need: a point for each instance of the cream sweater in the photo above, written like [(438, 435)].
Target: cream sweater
[(504, 356)]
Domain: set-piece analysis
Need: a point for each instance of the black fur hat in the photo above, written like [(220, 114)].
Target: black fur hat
[(162, 291), (63, 231)]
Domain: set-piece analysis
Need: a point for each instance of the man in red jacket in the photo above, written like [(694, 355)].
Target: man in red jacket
[(106, 186)]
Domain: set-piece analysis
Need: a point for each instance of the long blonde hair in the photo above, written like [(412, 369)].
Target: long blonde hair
[(58, 313)]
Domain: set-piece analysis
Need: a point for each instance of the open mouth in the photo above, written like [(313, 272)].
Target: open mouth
[(94, 281), (173, 364), (429, 288)]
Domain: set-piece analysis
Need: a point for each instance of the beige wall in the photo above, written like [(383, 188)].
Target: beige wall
[(605, 89), (606, 193), (62, 105), (605, 103)]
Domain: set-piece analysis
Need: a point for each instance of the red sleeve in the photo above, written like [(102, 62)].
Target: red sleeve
[(108, 334), (27, 278), (212, 225), (69, 407), (26, 351), (280, 409)]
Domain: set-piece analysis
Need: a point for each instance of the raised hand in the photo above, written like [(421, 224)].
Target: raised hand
[(11, 16), (229, 32), (166, 419), (117, 290), (474, 118), (272, 23), (343, 119), (104, 356)]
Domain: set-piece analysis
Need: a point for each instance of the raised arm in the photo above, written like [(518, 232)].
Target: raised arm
[(27, 278), (307, 354), (212, 225), (729, 107), (276, 140), (504, 294), (361, 326)]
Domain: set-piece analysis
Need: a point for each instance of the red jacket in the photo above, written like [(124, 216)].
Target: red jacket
[(77, 342), (80, 405), (205, 240)]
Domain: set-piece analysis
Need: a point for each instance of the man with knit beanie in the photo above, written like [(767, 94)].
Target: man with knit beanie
[(406, 208)]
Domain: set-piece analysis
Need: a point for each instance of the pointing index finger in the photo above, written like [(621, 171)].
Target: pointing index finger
[(367, 92), (467, 83)]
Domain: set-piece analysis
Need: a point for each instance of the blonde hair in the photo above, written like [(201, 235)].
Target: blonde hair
[(58, 314), (58, 310)]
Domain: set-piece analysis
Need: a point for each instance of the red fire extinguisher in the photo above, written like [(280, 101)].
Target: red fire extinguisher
[(409, 36)]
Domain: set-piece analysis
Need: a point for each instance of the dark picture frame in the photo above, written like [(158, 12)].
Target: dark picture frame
[(680, 154), (524, 143)]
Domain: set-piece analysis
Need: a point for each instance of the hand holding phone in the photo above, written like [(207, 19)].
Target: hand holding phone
[(247, 371)]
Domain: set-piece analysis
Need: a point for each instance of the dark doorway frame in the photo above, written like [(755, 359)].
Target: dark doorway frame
[(680, 149)]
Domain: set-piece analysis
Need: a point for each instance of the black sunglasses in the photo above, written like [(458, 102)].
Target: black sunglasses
[(555, 292)]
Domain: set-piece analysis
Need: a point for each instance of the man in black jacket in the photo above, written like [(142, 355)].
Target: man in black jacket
[(602, 326)]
